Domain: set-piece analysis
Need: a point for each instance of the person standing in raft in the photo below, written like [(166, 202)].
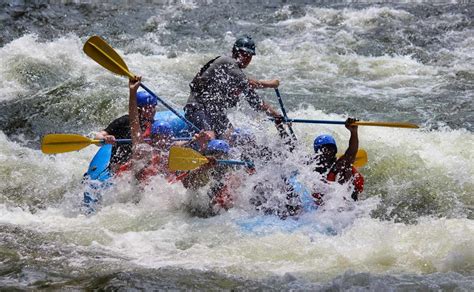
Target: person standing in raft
[(120, 129), (218, 87), (335, 169)]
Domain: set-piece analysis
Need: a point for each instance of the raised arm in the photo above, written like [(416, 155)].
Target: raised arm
[(351, 151), (343, 165), (136, 134), (257, 84)]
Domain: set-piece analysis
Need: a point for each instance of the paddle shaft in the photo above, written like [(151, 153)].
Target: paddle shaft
[(124, 71), (170, 108), (127, 141), (280, 101), (314, 121), (360, 123), (235, 162)]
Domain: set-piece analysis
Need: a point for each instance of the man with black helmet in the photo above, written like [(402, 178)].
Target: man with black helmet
[(218, 87)]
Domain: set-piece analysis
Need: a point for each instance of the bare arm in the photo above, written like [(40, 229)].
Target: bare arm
[(136, 134), (270, 111), (351, 151), (203, 137), (257, 84), (343, 165)]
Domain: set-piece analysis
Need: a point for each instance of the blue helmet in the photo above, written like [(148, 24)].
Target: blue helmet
[(144, 99), (322, 140), (217, 146), (161, 128)]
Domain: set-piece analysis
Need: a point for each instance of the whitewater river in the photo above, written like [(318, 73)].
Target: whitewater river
[(412, 230)]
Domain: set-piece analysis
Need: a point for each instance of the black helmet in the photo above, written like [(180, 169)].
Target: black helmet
[(246, 44)]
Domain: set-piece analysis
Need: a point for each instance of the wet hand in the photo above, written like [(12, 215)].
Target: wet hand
[(109, 139), (202, 138), (350, 124), (274, 83), (279, 119), (212, 161), (134, 83)]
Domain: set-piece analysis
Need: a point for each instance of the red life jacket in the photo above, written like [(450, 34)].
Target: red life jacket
[(154, 167), (223, 198), (177, 176), (357, 181), (147, 132)]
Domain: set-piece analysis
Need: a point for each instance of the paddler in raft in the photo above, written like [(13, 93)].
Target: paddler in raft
[(208, 186), (120, 129), (333, 169), (218, 86), (148, 159)]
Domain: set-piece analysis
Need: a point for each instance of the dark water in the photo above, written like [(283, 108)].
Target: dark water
[(410, 62)]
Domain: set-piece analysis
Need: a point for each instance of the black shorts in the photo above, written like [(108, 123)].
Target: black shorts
[(207, 121)]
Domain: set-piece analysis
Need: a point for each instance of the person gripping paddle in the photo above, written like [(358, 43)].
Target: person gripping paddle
[(218, 87), (336, 169), (120, 129)]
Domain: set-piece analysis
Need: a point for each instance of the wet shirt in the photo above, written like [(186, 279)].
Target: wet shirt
[(218, 87), (120, 129)]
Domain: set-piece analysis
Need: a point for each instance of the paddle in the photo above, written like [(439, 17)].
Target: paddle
[(280, 101), (61, 143), (101, 52), (182, 158), (361, 158), (359, 123)]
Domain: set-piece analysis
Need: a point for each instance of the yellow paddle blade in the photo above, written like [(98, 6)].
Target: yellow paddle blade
[(60, 143), (185, 159), (387, 124), (360, 160), (101, 52)]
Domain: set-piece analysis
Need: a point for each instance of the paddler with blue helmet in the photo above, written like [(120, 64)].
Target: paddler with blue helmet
[(335, 169), (120, 129), (218, 196), (218, 87), (148, 159)]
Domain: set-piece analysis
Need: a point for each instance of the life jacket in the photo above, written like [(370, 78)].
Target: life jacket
[(196, 82), (177, 176), (223, 194), (357, 181), (154, 167), (147, 132), (223, 198)]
